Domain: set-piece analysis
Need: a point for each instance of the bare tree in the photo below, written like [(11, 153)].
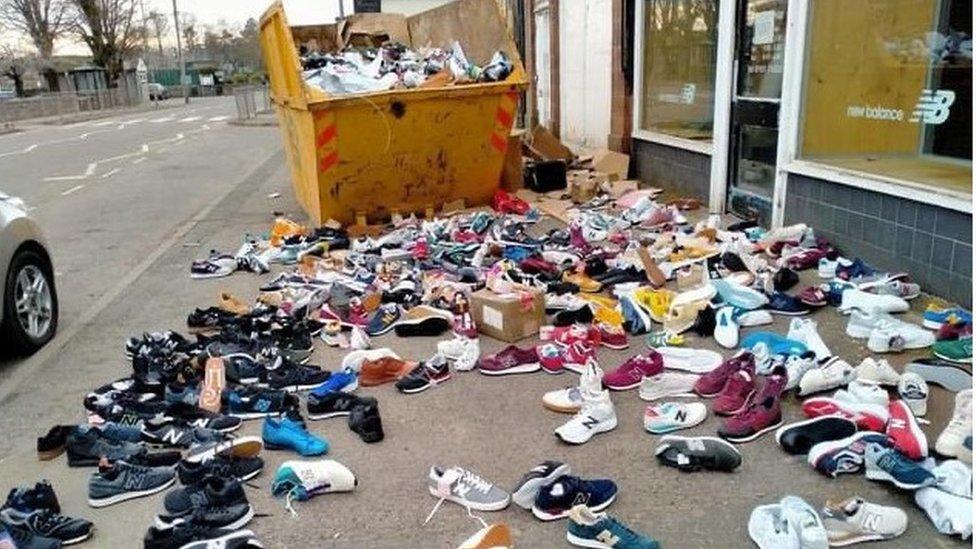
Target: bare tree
[(160, 27), (43, 21), (110, 30), (13, 65)]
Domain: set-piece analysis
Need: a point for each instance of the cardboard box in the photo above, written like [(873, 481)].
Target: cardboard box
[(507, 317), (547, 147), (513, 177), (615, 164)]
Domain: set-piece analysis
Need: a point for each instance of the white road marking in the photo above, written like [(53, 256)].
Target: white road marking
[(139, 160), (164, 119), (88, 173), (105, 123), (190, 119), (111, 172), (73, 189), (218, 118)]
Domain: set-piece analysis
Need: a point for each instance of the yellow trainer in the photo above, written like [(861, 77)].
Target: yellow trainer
[(655, 302)]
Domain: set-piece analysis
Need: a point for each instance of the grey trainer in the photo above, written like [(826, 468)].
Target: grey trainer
[(855, 520), (466, 488), (124, 481)]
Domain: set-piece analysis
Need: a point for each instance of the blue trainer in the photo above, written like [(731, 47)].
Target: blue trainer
[(933, 318), (588, 529), (286, 434), (777, 344), (890, 465), (555, 501), (341, 381)]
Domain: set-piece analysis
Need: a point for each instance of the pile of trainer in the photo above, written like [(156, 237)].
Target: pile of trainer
[(601, 278)]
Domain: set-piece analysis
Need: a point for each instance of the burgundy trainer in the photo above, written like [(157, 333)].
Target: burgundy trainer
[(510, 360), (736, 393), (712, 383), (762, 413), (629, 374)]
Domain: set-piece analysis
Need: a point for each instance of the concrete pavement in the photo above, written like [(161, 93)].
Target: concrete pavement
[(496, 427)]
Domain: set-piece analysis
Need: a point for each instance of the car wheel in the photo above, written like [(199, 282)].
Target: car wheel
[(30, 308)]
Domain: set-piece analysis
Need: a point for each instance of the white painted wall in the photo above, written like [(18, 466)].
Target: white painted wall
[(542, 64), (585, 28)]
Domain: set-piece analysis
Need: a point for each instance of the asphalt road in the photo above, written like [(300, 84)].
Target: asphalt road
[(123, 245)]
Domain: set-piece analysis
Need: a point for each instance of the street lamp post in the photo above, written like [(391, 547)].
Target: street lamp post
[(179, 54)]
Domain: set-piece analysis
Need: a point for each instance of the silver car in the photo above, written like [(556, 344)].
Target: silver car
[(29, 311)]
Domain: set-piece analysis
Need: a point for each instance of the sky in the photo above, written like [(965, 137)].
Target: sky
[(232, 12)]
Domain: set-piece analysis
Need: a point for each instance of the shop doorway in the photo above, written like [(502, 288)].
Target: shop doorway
[(757, 81)]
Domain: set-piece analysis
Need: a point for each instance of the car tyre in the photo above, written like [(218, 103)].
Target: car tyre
[(15, 337)]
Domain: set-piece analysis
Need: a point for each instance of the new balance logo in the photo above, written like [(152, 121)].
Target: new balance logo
[(933, 106), (607, 538), (590, 422), (171, 437), (897, 423), (581, 498), (681, 416), (871, 522)]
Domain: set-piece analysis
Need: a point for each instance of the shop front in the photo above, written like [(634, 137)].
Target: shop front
[(799, 111)]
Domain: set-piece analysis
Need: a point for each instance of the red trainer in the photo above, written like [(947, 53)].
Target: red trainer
[(762, 414), (629, 374), (556, 357), (510, 360), (613, 337), (712, 383), (903, 431), (736, 393), (509, 203), (869, 417)]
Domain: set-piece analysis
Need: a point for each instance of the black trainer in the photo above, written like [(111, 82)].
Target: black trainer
[(290, 376), (53, 443), (365, 422), (123, 481), (240, 469), (205, 419), (40, 497), (211, 491), (695, 453), (86, 449), (209, 319), (23, 539), (798, 438), (48, 524), (225, 517), (169, 433), (580, 315), (335, 404), (192, 536), (425, 375)]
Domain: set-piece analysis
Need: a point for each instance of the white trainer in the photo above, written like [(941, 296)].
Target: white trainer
[(863, 391), (877, 371), (865, 301), (570, 399), (897, 338), (855, 520), (596, 416), (805, 331), (667, 384), (915, 392), (832, 373), (959, 427)]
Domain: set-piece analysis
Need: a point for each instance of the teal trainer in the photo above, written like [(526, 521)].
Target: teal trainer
[(289, 434), (954, 350), (588, 529)]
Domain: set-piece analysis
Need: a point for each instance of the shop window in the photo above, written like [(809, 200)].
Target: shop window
[(679, 67), (888, 89)]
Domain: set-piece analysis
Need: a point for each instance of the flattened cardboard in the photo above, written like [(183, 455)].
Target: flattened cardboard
[(653, 272), (615, 164), (505, 317), (548, 147)]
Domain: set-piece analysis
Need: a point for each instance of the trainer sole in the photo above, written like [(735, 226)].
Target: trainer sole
[(521, 369), (757, 434), (952, 377), (879, 475), (498, 506), (968, 360), (600, 428), (119, 498), (525, 496), (329, 415), (583, 542)]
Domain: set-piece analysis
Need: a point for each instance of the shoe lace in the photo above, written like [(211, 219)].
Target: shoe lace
[(47, 521)]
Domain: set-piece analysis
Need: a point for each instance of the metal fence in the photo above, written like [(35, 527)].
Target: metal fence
[(67, 103), (251, 101)]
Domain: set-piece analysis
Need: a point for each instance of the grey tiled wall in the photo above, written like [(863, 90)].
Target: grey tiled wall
[(678, 171), (933, 244)]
